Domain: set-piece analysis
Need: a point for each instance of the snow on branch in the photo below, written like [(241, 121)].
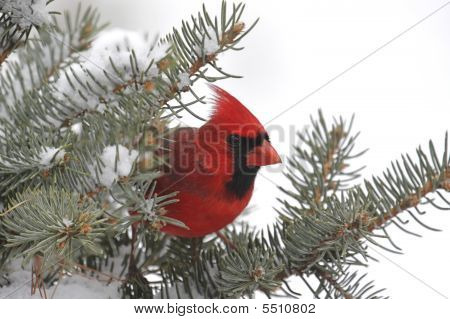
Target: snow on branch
[(33, 66), (25, 13), (117, 162), (17, 18)]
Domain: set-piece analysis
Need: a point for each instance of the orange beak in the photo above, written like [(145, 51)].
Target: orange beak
[(263, 155)]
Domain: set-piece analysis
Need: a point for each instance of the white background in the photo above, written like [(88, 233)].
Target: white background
[(400, 95)]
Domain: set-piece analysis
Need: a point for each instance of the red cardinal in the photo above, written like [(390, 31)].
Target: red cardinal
[(214, 168)]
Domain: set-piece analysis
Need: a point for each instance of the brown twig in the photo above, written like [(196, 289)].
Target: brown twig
[(4, 54), (411, 200), (337, 133), (37, 277)]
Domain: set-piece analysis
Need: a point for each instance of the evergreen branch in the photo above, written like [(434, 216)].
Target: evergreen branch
[(83, 131), (190, 54), (137, 195), (365, 222), (227, 38), (160, 76), (78, 93), (332, 234), (189, 269), (317, 170), (320, 169), (52, 224), (78, 164), (362, 224), (183, 267), (244, 270)]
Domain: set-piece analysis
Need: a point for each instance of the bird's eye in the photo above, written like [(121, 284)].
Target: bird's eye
[(234, 139)]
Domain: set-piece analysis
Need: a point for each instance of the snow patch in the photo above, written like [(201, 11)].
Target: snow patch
[(67, 222), (211, 43), (96, 71), (158, 52), (51, 155), (184, 80), (118, 161), (115, 207), (77, 128), (75, 286)]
